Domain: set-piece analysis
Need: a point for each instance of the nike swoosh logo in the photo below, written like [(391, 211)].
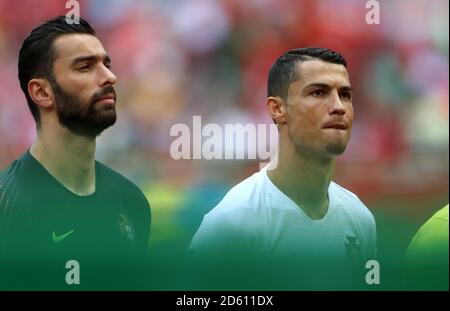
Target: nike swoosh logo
[(60, 238)]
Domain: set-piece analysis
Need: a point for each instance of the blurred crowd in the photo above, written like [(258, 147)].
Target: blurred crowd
[(178, 58)]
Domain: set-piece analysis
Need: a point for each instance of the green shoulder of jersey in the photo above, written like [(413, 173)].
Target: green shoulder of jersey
[(427, 255), (432, 237)]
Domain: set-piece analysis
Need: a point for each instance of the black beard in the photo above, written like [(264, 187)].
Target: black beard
[(85, 119)]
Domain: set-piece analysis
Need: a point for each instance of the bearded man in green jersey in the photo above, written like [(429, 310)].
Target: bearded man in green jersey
[(57, 203)]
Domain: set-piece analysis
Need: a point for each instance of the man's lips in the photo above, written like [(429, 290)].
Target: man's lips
[(107, 99), (336, 125)]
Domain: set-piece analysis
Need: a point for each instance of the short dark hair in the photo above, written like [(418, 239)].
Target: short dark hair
[(283, 71), (37, 53)]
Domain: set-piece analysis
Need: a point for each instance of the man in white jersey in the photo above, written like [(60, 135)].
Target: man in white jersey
[(310, 232)]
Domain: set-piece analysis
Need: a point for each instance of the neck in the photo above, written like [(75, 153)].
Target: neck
[(68, 157), (305, 179)]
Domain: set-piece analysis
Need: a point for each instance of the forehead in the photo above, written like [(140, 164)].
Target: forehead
[(318, 71), (71, 46)]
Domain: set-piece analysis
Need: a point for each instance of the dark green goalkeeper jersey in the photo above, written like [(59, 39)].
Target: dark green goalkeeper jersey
[(43, 226)]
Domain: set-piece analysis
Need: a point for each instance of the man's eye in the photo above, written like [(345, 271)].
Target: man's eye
[(84, 67), (317, 93), (346, 95), (108, 65)]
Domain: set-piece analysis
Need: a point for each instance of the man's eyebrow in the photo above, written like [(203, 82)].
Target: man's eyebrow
[(346, 88), (90, 58)]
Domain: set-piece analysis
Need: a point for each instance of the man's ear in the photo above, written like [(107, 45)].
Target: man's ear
[(41, 92), (276, 106)]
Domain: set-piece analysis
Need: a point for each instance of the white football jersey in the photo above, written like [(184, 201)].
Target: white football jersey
[(257, 216)]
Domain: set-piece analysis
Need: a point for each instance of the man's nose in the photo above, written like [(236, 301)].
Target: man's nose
[(107, 77), (336, 106)]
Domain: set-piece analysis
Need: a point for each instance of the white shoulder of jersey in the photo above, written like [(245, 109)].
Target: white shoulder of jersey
[(235, 219), (242, 198), (351, 202), (242, 201)]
